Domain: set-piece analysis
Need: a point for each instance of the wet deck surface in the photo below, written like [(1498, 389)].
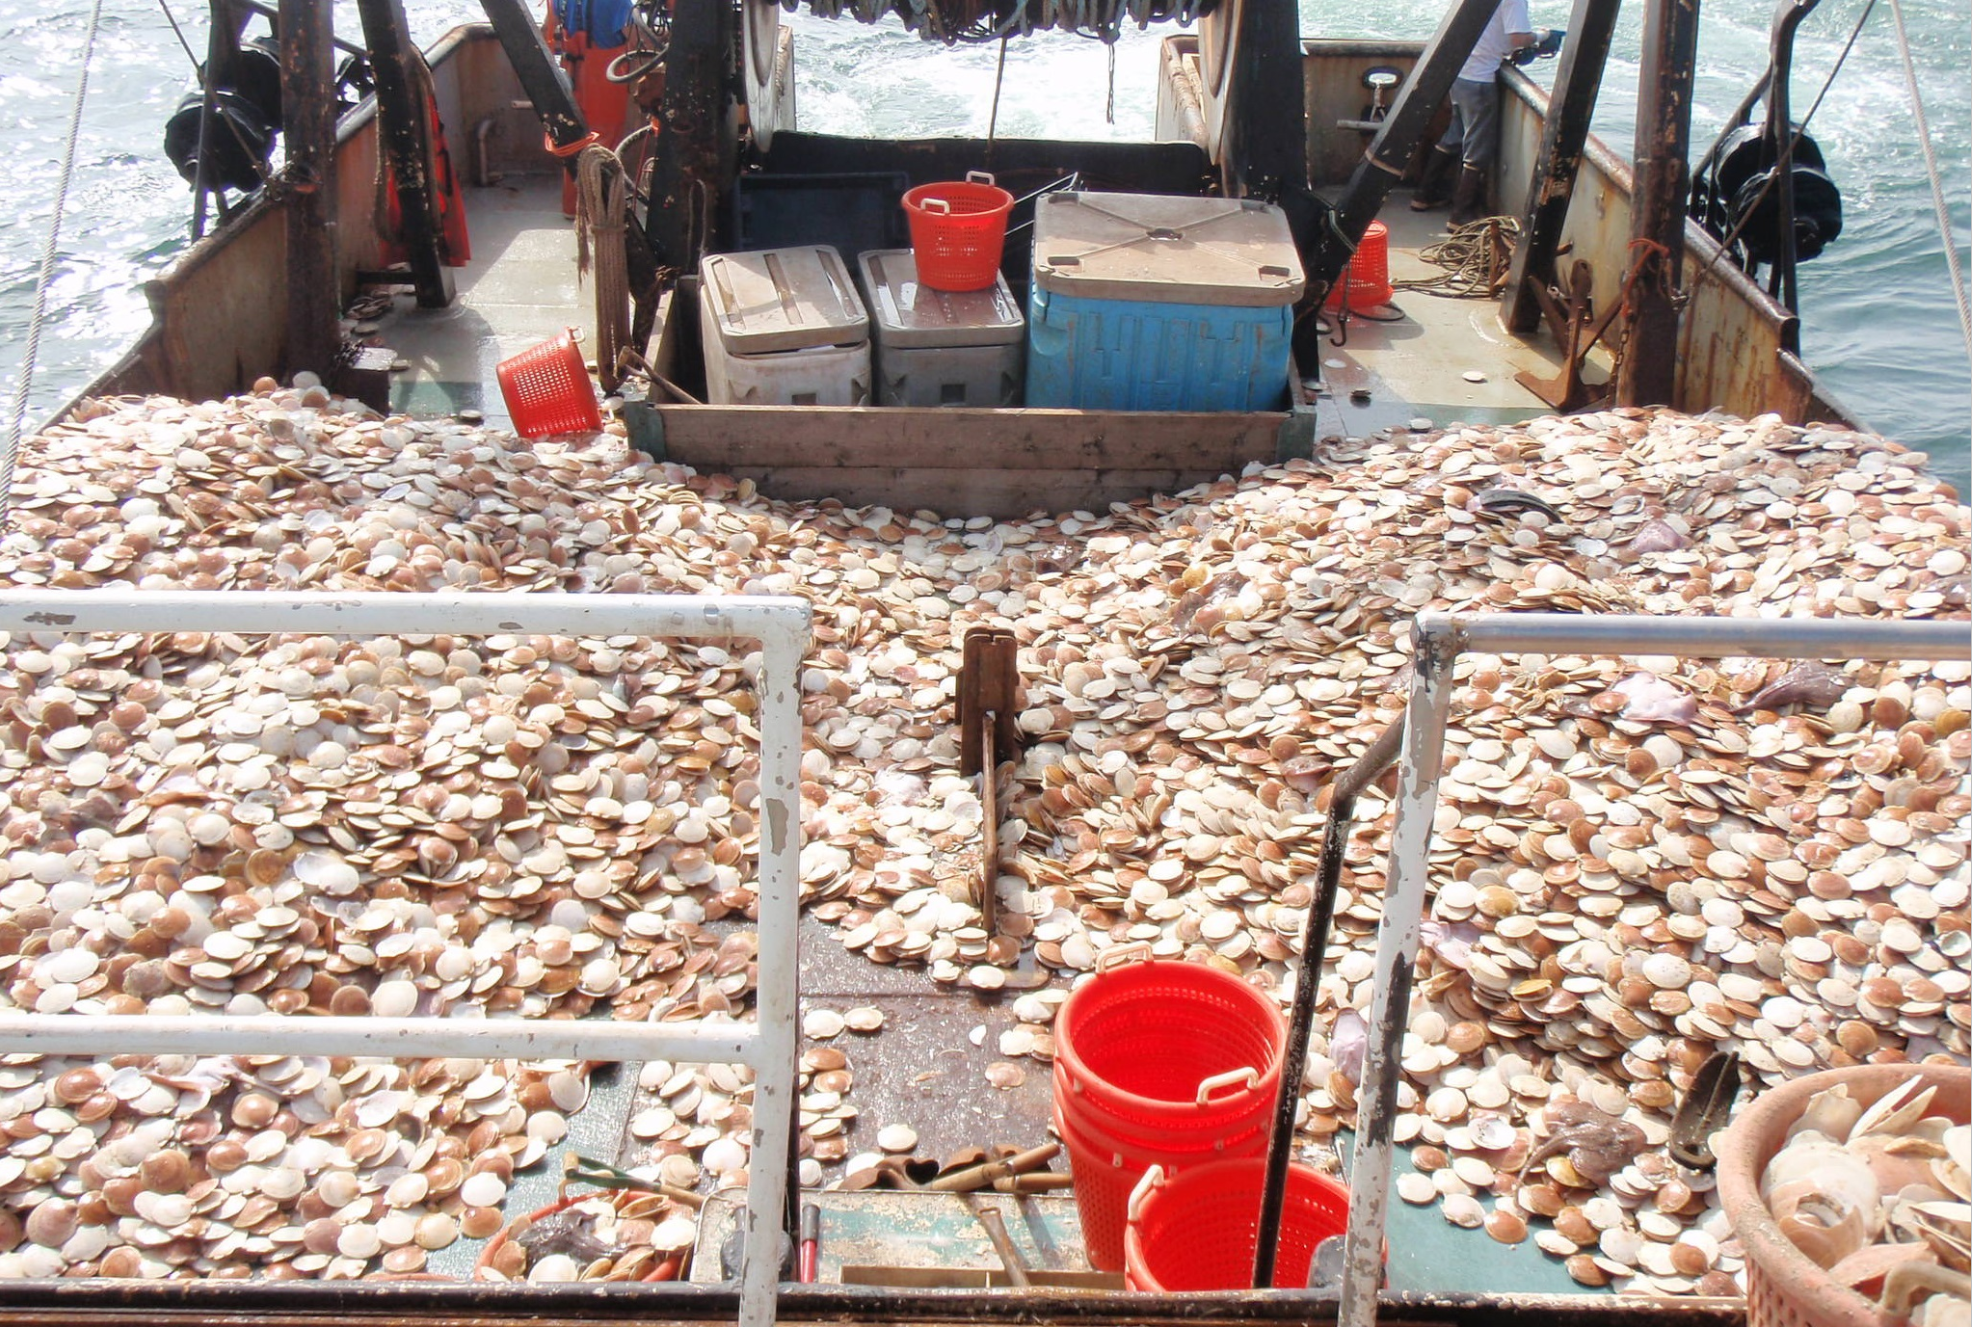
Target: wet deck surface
[(519, 290), (1415, 368)]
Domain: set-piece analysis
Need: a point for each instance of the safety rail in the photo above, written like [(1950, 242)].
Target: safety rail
[(780, 625), (1437, 640)]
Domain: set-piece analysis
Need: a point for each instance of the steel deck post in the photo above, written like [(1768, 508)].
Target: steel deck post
[(1648, 373), (1433, 651), (308, 133), (1266, 118)]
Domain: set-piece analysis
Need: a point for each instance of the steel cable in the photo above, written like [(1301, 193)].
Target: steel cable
[(1937, 183), (11, 452)]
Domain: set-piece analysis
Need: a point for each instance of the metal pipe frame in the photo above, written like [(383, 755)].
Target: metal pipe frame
[(781, 625), (1437, 640), (1307, 990)]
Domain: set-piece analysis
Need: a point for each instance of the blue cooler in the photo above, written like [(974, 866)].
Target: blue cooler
[(1156, 302)]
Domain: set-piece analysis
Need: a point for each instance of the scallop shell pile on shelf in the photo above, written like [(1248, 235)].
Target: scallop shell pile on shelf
[(1635, 862)]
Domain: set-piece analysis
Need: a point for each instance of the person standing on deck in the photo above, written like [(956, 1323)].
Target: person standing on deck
[(586, 34), (1473, 138)]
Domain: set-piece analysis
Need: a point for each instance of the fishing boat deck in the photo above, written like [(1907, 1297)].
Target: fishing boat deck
[(521, 288), (1416, 367)]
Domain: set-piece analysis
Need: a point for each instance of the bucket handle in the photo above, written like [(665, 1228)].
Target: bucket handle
[(1248, 1079), (938, 207), (980, 177), (1121, 954), (1151, 1179)]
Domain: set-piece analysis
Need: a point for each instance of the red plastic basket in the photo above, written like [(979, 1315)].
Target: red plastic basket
[(1106, 1168), (1366, 283), (547, 389), (1196, 1230), (1147, 1048), (958, 231)]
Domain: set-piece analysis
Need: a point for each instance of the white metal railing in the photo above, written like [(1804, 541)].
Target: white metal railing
[(1437, 640), (781, 625)]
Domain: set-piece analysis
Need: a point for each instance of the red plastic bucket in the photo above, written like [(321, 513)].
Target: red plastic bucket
[(1366, 283), (1145, 1049), (1159, 1063), (547, 389), (958, 231), (1106, 1169), (1196, 1230)]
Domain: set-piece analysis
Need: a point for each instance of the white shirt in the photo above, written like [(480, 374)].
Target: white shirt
[(1494, 43)]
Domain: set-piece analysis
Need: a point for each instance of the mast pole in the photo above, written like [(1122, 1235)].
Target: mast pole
[(1662, 178), (1266, 120), (308, 129), (1584, 54), (405, 134)]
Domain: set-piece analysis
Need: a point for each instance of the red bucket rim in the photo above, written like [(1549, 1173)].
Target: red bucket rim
[(979, 199), (1072, 1064)]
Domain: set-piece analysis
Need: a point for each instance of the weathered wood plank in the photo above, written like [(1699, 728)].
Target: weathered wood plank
[(897, 437), (1002, 494)]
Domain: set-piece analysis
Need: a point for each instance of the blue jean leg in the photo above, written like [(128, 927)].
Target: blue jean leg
[(1474, 130)]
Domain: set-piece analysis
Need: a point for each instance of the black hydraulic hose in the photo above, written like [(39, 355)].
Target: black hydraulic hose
[(1301, 1019)]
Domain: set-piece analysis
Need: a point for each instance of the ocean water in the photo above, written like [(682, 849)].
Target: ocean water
[(1879, 323)]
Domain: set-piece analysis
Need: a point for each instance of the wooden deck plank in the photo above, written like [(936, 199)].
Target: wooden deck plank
[(894, 437), (1001, 494)]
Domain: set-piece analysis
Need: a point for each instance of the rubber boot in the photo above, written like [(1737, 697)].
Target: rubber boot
[(1432, 189), (1469, 198)]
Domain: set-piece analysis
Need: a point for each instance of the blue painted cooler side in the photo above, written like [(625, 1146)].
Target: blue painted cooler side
[(1098, 354)]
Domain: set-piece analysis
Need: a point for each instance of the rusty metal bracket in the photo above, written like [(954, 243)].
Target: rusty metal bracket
[(988, 700), (1571, 317)]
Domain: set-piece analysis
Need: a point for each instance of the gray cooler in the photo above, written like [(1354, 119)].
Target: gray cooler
[(938, 347)]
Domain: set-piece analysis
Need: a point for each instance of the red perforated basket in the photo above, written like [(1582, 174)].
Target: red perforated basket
[(547, 389), (1366, 282), (1196, 1230), (1159, 1063), (958, 231), (1106, 1168), (1144, 1048)]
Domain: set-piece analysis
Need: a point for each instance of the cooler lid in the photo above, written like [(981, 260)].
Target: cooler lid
[(783, 299), (1166, 249), (910, 315)]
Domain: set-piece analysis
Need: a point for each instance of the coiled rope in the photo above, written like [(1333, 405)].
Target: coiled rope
[(602, 208), (10, 454), (1937, 184), (1467, 253)]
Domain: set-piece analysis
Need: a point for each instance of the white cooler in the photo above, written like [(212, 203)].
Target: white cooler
[(782, 327), (940, 347)]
